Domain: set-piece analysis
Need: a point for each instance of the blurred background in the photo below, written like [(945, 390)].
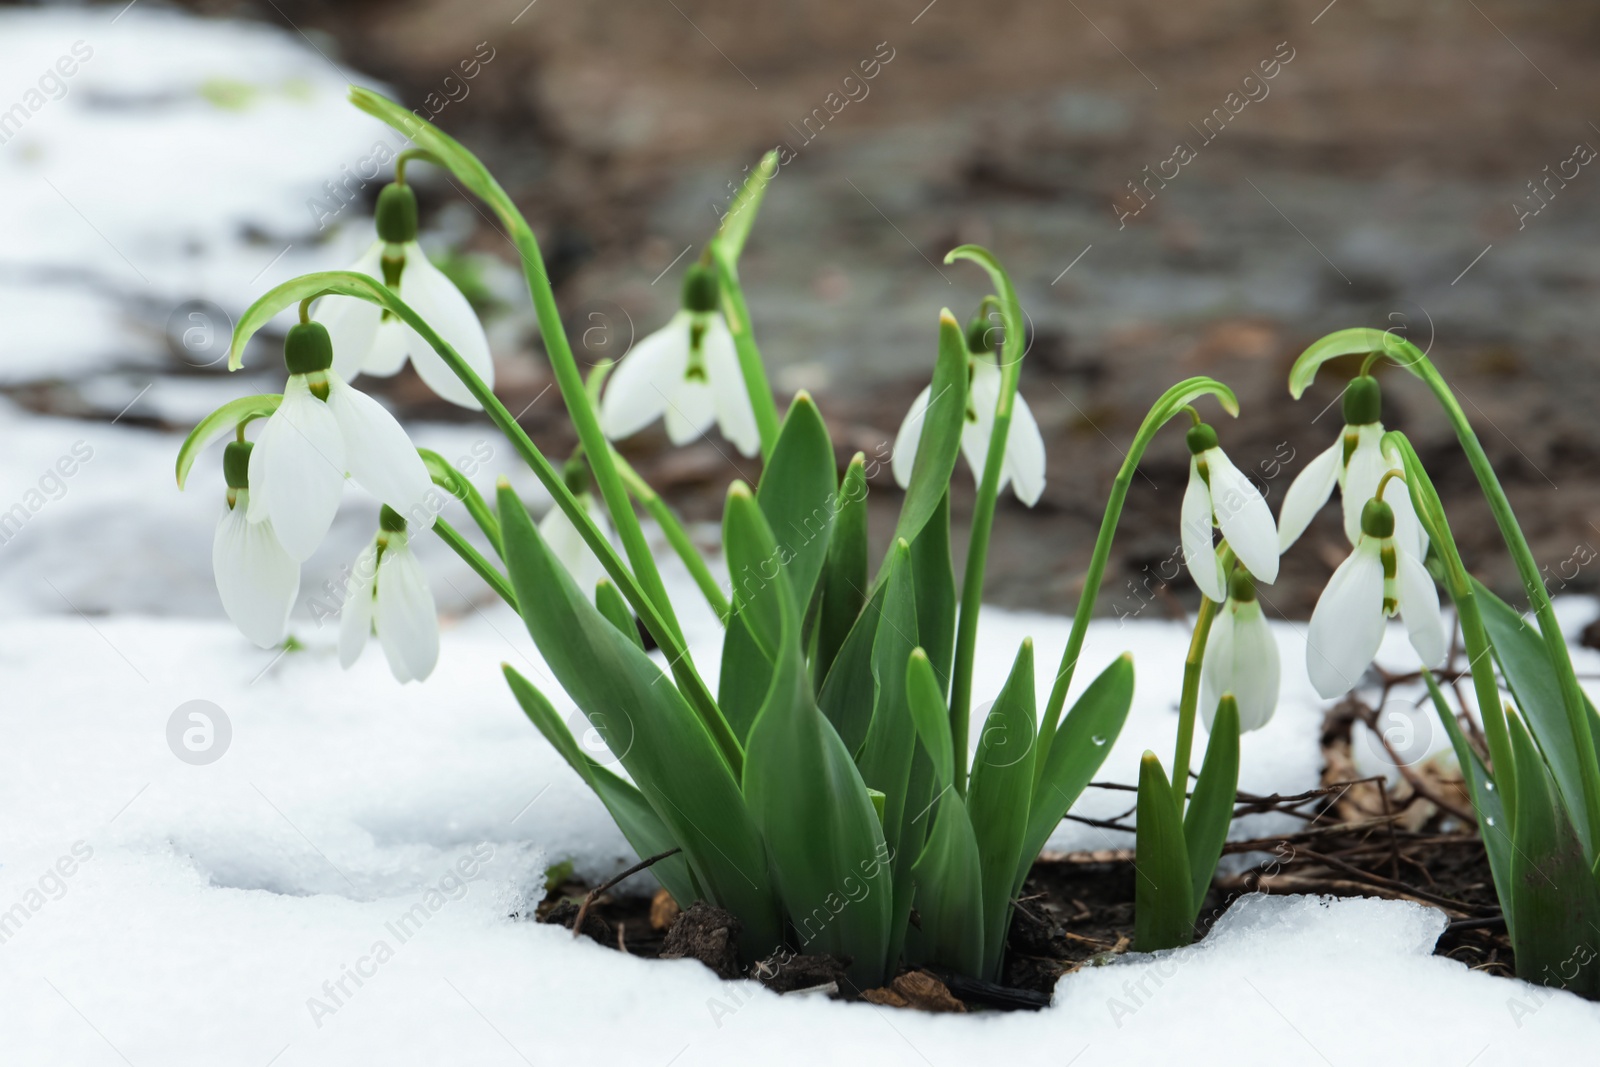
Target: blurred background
[(1176, 188)]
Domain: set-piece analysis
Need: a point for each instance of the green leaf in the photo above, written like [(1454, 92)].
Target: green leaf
[(936, 591), (219, 424), (948, 887), (1163, 905), (744, 679), (847, 693), (824, 840), (925, 695), (797, 491), (940, 443), (615, 608), (634, 817), (998, 799), (273, 301), (754, 562), (1205, 824), (844, 578), (1081, 745), (646, 722), (1553, 891), (741, 213), (1524, 660), (1360, 341)]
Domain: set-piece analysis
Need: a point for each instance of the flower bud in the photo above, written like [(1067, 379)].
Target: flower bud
[(700, 289), (1377, 519), (390, 520), (396, 214), (576, 475), (1363, 401), (308, 348), (236, 464), (1200, 437), (1241, 587)]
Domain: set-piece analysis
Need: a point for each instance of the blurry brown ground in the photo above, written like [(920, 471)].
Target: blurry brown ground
[(1386, 156)]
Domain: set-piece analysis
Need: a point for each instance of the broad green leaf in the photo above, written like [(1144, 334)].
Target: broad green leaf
[(219, 424), (1360, 341), (844, 578), (948, 887), (823, 837), (647, 723), (756, 568), (615, 608), (931, 716), (634, 817), (1205, 824), (936, 591), (1553, 891), (1524, 660), (797, 495), (886, 758), (745, 677), (1163, 905), (291, 292), (847, 693), (998, 799), (1493, 826), (1081, 745), (741, 214), (940, 443)]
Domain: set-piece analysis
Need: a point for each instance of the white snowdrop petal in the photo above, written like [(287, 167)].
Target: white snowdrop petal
[(355, 612), (691, 409), (904, 459), (352, 323), (256, 579), (1360, 480), (569, 547), (1307, 494), (379, 454), (302, 469), (1199, 553), (388, 351), (1256, 668), (408, 624), (1217, 668), (637, 389), (256, 508), (735, 416), (436, 298), (1025, 455), (982, 394), (1419, 608), (1408, 531), (1347, 624), (1245, 519)]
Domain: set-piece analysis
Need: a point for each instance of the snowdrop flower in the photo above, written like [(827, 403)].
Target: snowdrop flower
[(1355, 462), (369, 340), (1241, 658), (686, 372), (389, 594), (1023, 468), (256, 578), (1383, 576), (323, 429), (563, 538), (1218, 491)]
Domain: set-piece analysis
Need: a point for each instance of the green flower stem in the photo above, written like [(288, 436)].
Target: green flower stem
[(1189, 701), (1480, 662), (471, 172), (737, 314), (485, 570), (677, 536), (1171, 403), (456, 484)]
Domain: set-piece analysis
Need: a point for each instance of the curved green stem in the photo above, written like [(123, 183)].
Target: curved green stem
[(737, 314), (1170, 404), (456, 484), (677, 537), (1189, 701), (421, 155), (474, 559)]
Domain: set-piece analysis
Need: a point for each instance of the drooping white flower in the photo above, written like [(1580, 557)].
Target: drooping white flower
[(389, 595), (1355, 463), (257, 579), (323, 429), (1023, 467), (369, 340), (1241, 658), (686, 373), (1219, 493), (568, 545), (1383, 576)]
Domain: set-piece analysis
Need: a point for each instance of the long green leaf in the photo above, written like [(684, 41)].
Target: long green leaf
[(1205, 824), (761, 590), (638, 822), (948, 887), (999, 797), (219, 424), (826, 845), (797, 495), (936, 591), (1163, 905), (744, 678), (741, 214), (847, 693), (1082, 744), (844, 578), (925, 695), (1553, 892), (646, 722), (940, 443), (613, 607)]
